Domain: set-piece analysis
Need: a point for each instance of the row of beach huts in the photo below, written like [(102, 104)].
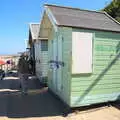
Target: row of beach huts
[(77, 53)]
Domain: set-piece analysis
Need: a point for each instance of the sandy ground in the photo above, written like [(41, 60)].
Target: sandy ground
[(105, 113), (40, 104)]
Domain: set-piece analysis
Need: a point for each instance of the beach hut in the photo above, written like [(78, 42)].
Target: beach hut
[(39, 51), (32, 38), (83, 54)]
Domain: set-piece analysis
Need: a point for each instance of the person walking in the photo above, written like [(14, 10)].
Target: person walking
[(2, 74), (23, 71)]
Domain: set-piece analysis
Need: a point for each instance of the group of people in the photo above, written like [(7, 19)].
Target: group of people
[(24, 70)]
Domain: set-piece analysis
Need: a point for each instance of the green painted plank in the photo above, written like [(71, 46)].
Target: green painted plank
[(106, 43), (107, 40), (114, 67), (101, 82), (89, 80), (104, 64), (99, 53), (107, 35), (81, 77), (105, 78), (96, 87), (95, 92), (115, 72), (107, 53), (66, 34), (109, 57), (91, 99)]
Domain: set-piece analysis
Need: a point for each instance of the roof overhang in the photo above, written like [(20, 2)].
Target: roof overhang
[(47, 19), (51, 18)]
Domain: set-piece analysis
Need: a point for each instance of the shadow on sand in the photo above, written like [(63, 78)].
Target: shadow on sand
[(116, 104), (34, 105), (38, 103)]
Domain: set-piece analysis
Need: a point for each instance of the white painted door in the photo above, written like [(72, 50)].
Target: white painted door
[(81, 52), (59, 70)]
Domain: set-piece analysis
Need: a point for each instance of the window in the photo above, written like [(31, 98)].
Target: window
[(81, 52), (44, 45)]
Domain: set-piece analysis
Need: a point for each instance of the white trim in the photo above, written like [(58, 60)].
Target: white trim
[(30, 28), (82, 52), (51, 17), (111, 18)]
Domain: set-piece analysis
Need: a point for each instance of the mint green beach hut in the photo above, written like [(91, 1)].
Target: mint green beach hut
[(83, 55)]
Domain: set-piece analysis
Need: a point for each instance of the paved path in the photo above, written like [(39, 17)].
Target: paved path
[(39, 104)]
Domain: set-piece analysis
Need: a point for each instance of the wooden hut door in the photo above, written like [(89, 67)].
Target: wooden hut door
[(59, 69), (55, 68)]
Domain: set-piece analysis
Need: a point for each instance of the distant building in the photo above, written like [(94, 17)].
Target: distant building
[(33, 35), (11, 61)]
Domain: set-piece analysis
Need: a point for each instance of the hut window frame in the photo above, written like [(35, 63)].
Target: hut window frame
[(82, 58), (44, 45)]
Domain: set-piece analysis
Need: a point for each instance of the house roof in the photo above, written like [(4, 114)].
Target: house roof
[(74, 17), (34, 28)]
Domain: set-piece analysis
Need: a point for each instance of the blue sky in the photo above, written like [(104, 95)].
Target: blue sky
[(15, 16)]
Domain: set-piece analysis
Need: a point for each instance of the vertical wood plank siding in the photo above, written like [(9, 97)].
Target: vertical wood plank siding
[(41, 62), (104, 83), (66, 33), (66, 37)]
